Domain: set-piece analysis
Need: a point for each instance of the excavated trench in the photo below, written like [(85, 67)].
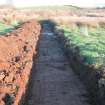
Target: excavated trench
[(52, 81)]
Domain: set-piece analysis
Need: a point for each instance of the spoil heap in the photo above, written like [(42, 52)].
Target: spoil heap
[(16, 54)]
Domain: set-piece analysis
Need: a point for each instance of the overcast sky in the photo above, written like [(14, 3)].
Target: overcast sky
[(81, 3)]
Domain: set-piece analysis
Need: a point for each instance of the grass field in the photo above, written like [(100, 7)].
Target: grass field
[(91, 43), (4, 28), (51, 8)]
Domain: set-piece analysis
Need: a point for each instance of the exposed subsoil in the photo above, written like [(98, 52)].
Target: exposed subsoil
[(52, 81), (16, 55)]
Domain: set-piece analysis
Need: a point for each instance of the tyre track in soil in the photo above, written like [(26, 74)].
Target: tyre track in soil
[(52, 80)]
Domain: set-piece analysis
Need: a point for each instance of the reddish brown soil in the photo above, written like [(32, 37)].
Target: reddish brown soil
[(16, 55)]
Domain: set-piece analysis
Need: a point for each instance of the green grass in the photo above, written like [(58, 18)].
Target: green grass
[(4, 28), (92, 47)]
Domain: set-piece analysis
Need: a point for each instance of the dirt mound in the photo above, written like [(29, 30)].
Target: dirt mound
[(16, 54)]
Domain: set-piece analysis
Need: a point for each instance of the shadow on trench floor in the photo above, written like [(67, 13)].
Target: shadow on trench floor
[(52, 81)]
